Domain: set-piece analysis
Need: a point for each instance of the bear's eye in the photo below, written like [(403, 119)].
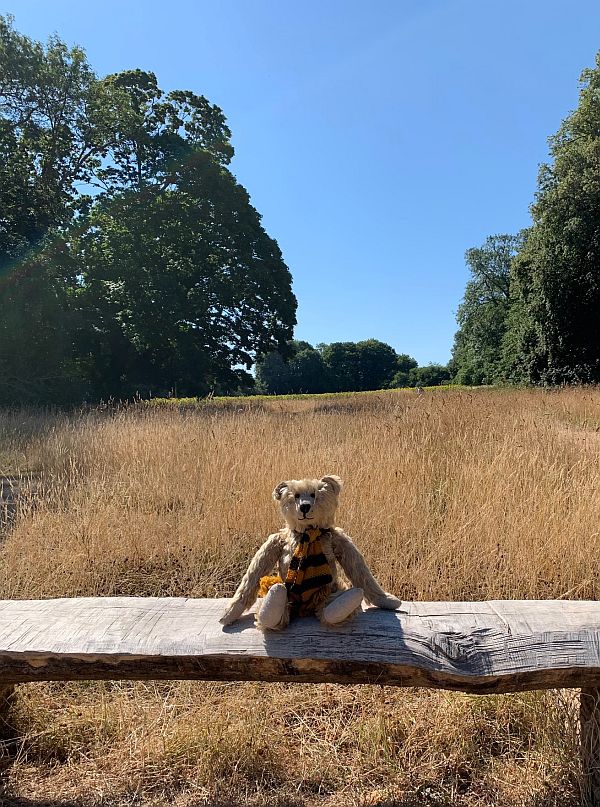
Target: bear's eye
[(297, 496)]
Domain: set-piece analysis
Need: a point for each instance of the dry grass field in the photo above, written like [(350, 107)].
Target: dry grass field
[(451, 495)]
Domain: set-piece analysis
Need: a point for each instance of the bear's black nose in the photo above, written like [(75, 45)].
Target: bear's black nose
[(304, 508)]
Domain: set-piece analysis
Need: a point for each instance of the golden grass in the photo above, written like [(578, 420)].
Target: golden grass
[(451, 495)]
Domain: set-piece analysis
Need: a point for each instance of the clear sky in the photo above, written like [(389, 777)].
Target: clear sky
[(378, 139)]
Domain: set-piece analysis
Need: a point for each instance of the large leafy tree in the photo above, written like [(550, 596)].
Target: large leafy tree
[(129, 255), (483, 312), (554, 333), (180, 285)]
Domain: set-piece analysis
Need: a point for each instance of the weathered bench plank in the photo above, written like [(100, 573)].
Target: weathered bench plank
[(477, 647)]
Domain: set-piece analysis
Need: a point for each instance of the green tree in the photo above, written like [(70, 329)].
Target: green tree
[(555, 318), (36, 363), (180, 287), (343, 365), (157, 134), (483, 312), (430, 375), (404, 364), (297, 368), (55, 128), (355, 366), (272, 374), (163, 278), (378, 362), (307, 370)]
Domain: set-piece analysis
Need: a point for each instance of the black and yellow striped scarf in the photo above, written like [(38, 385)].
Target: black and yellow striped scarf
[(309, 576)]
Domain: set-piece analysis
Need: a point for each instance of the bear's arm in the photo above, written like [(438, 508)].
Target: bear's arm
[(262, 563), (359, 574)]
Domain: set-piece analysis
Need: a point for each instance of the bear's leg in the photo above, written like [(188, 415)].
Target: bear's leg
[(274, 612), (343, 606)]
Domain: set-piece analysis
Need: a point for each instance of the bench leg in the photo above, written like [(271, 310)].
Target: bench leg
[(7, 731), (589, 716)]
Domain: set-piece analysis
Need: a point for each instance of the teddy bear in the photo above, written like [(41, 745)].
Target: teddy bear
[(306, 553)]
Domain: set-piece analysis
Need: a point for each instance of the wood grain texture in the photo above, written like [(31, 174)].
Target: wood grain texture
[(478, 647)]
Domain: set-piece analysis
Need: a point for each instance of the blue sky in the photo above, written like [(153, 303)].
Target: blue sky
[(379, 140)]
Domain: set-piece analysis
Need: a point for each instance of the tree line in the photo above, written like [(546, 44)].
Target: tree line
[(531, 309), (342, 367), (132, 262)]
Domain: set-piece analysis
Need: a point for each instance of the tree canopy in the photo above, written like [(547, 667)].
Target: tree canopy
[(554, 322), (483, 313), (131, 261), (531, 310), (342, 367)]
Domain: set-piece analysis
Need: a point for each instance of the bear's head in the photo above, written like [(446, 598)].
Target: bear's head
[(308, 503)]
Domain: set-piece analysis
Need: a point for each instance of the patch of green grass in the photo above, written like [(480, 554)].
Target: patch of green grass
[(239, 400)]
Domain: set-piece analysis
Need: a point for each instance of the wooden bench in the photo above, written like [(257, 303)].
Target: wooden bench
[(475, 647)]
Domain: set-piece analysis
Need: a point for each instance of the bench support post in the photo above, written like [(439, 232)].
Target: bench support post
[(589, 715), (6, 729)]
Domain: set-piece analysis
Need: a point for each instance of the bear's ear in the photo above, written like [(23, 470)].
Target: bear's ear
[(278, 490), (332, 482)]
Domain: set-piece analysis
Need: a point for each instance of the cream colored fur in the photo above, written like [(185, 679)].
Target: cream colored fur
[(307, 503)]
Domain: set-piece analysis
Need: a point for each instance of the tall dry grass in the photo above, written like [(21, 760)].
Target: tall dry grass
[(453, 495)]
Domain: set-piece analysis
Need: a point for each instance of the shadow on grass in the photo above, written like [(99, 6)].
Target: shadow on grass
[(427, 795), (423, 797), (6, 800), (17, 801)]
